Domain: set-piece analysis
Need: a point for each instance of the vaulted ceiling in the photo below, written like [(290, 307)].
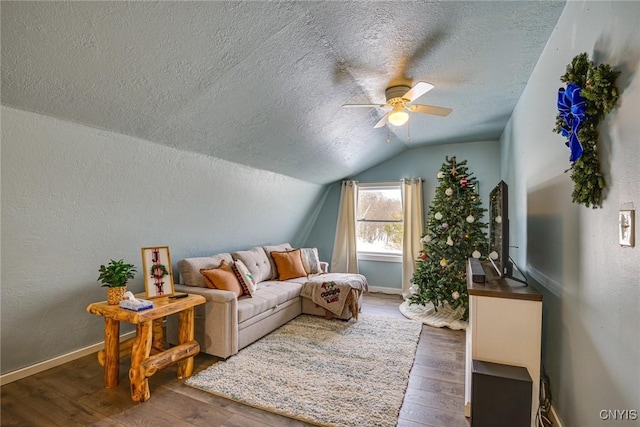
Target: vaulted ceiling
[(261, 83)]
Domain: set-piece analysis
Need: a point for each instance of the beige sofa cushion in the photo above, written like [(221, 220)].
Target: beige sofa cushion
[(256, 260), (268, 295), (283, 247), (189, 268)]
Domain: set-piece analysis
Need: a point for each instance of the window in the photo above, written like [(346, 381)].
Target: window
[(379, 222)]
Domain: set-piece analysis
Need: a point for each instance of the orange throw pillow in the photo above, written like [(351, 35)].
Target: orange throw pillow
[(222, 278), (289, 264)]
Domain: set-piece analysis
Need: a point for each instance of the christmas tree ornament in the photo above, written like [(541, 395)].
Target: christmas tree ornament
[(444, 262), (470, 219), (413, 289), (438, 216), (499, 219), (455, 295), (448, 191), (426, 239), (449, 241), (423, 256), (454, 171), (440, 175), (493, 255), (445, 225), (476, 254), (463, 182)]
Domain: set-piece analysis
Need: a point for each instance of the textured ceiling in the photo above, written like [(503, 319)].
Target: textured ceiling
[(261, 83)]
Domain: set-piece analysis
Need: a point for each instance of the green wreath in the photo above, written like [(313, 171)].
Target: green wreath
[(589, 96)]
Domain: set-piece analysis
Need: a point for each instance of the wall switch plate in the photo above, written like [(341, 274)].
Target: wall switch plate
[(626, 227)]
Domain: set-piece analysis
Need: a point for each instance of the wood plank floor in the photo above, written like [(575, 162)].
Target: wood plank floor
[(73, 394)]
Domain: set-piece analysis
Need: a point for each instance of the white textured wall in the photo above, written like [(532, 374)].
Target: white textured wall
[(73, 197), (591, 285)]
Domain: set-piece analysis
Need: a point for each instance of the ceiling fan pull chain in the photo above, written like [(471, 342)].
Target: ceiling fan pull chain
[(408, 131), (388, 139)]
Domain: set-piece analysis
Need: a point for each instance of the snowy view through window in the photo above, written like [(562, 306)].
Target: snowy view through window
[(379, 223)]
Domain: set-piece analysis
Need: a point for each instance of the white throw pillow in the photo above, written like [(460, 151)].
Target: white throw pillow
[(246, 277), (310, 260)]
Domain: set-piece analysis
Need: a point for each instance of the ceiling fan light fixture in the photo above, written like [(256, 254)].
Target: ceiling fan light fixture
[(398, 117), (401, 100)]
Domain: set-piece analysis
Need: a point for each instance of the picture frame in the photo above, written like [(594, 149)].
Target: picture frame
[(158, 272), (626, 227)]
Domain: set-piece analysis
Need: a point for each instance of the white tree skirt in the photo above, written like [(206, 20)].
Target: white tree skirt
[(444, 317)]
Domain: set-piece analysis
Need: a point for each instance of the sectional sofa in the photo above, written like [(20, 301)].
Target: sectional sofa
[(230, 320)]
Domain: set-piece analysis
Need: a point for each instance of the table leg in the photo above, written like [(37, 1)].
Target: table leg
[(140, 352), (186, 333), (111, 352), (158, 335)]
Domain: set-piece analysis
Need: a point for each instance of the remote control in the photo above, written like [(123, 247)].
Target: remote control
[(178, 296)]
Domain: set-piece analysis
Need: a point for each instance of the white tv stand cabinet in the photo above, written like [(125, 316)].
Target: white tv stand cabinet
[(505, 326)]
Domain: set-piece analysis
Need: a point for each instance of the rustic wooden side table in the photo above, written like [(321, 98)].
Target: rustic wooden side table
[(149, 336)]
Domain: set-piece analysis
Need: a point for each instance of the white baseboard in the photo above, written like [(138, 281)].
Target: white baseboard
[(554, 418), (391, 291), (57, 361)]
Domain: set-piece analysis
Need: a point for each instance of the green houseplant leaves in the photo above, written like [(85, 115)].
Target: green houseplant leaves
[(116, 274)]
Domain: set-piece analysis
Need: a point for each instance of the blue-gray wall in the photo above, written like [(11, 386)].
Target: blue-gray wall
[(74, 197), (483, 160), (590, 284)]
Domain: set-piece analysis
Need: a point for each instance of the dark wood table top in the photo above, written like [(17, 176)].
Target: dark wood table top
[(500, 287)]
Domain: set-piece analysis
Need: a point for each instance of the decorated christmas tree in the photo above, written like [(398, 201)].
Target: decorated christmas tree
[(454, 232)]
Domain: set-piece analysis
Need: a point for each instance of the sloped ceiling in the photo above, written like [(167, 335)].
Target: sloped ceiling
[(261, 83)]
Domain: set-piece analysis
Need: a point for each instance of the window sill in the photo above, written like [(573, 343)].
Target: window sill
[(369, 256)]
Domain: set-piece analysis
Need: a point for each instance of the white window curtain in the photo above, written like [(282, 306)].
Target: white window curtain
[(345, 255), (413, 229)]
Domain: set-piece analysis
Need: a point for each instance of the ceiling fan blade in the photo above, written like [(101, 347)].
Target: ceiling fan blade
[(383, 121), (363, 105), (418, 90), (430, 109)]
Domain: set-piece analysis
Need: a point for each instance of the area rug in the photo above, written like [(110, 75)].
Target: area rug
[(427, 314), (323, 372)]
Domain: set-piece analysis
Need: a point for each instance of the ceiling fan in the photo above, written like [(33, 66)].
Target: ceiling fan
[(399, 98)]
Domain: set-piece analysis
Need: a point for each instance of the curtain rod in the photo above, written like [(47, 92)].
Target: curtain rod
[(352, 181)]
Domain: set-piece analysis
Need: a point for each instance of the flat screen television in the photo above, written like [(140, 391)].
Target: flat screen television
[(499, 230)]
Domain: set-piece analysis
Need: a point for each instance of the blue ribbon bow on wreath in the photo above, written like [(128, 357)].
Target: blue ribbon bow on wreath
[(571, 109)]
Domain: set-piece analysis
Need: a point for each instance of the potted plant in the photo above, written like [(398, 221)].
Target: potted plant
[(115, 276)]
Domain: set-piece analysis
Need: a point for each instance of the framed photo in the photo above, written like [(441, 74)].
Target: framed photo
[(626, 227), (158, 273)]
